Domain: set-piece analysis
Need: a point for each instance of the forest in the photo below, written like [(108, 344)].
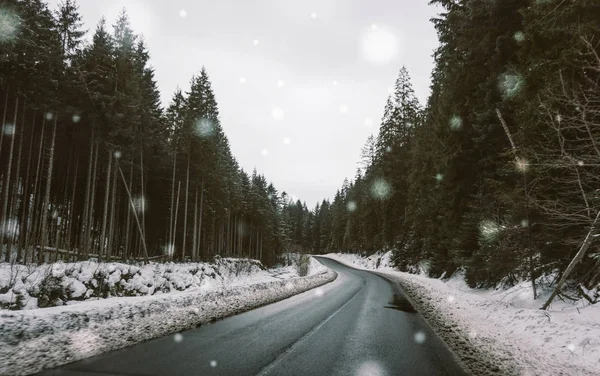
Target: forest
[(496, 175), (93, 166)]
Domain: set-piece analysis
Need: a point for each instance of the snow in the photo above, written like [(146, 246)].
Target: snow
[(24, 286), (379, 46), (35, 339), (277, 113), (501, 331)]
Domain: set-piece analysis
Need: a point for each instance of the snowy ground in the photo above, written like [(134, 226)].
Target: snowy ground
[(502, 332), (35, 339)]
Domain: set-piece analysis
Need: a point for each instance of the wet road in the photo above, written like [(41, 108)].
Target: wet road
[(360, 324)]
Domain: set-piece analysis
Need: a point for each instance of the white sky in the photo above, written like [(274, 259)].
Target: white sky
[(336, 66)]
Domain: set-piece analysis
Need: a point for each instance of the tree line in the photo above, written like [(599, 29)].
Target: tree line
[(497, 174), (91, 165)]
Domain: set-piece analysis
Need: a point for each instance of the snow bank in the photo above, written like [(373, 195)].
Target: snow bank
[(495, 333), (377, 260), (33, 340), (33, 286)]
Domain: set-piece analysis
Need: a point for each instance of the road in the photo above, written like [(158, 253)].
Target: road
[(360, 324)]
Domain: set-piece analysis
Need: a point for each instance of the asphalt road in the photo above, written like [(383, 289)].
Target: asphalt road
[(360, 324)]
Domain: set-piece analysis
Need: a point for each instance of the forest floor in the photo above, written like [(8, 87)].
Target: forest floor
[(174, 298), (501, 331)]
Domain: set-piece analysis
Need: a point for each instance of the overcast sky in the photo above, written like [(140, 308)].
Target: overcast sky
[(300, 84)]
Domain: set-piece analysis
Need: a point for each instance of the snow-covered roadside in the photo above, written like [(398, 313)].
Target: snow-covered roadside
[(33, 340), (496, 334), (33, 286)]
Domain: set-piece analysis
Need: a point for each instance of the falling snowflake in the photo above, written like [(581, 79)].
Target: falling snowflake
[(287, 140), (388, 149), (368, 122), (264, 152), (183, 13), (139, 204), (489, 230), (439, 177), (177, 338), (11, 228), (169, 250), (351, 206), (9, 25), (319, 292), (379, 46), (243, 80), (280, 83), (456, 122), (277, 113), (213, 363), (313, 16), (521, 164), (524, 223), (510, 84), (571, 347), (117, 154), (204, 128), (343, 108), (76, 118), (49, 116), (370, 368), (580, 163), (420, 337), (381, 189), (519, 37), (9, 129), (255, 42), (558, 118)]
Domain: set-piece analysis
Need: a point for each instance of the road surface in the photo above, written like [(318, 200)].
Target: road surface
[(360, 324)]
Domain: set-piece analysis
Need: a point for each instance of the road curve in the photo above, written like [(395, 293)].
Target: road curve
[(360, 324)]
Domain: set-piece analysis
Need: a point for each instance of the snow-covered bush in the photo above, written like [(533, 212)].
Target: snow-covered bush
[(28, 287)]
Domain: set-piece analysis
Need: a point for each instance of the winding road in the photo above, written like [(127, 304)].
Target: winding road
[(360, 324)]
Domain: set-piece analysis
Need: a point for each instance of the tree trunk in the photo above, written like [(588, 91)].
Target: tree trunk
[(60, 211), (12, 237), (4, 223), (194, 244), (4, 118), (72, 207), (86, 203), (200, 217), (111, 229), (171, 246), (33, 206), (24, 227), (102, 249), (128, 220), (172, 253), (46, 202), (92, 210), (185, 215), (143, 200)]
